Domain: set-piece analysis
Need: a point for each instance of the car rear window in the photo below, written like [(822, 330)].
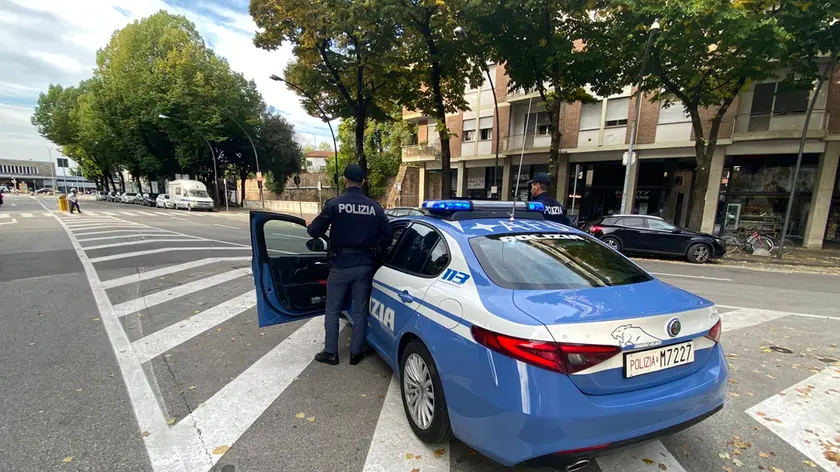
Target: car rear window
[(552, 261)]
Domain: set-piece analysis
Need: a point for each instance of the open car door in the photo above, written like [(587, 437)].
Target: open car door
[(291, 280)]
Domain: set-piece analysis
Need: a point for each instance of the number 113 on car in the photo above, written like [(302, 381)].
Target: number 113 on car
[(652, 360)]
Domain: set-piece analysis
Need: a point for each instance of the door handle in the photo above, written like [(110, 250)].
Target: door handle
[(321, 263), (406, 297)]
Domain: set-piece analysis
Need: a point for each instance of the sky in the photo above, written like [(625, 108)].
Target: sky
[(55, 41)]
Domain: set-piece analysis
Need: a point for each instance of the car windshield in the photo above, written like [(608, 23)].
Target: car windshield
[(164, 196), (198, 193), (553, 261)]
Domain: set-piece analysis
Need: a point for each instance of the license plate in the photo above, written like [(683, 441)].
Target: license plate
[(653, 360)]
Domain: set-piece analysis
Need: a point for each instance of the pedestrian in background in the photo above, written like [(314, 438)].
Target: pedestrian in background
[(554, 210), (73, 198), (359, 230)]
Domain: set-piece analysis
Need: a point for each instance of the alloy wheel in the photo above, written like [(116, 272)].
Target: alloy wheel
[(701, 253), (419, 391)]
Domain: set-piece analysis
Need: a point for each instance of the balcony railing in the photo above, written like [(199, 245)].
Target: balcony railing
[(531, 141), (421, 152)]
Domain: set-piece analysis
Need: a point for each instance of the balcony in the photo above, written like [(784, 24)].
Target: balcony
[(421, 153), (755, 126), (533, 142)]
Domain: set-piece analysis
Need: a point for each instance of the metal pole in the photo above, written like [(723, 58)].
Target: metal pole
[(829, 68), (256, 157), (300, 205), (498, 143), (634, 128), (574, 191), (52, 169)]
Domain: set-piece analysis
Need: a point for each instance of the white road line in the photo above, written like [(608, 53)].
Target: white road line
[(248, 246), (137, 231), (159, 342), (780, 314), (153, 274), (103, 226), (632, 459), (163, 296), (26, 215), (745, 317), (179, 219), (129, 213), (47, 214), (14, 220), (159, 234), (805, 416), (108, 213), (290, 236), (142, 241), (147, 411), (393, 439), (226, 416), (4, 215), (225, 226), (146, 213), (165, 249), (691, 276)]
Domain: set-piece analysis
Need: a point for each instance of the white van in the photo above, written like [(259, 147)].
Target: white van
[(189, 194)]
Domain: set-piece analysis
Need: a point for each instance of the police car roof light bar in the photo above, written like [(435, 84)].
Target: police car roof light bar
[(446, 206)]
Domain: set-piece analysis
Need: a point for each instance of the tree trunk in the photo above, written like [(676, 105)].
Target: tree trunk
[(139, 185), (243, 174), (702, 174), (111, 179), (554, 151), (361, 119), (122, 181)]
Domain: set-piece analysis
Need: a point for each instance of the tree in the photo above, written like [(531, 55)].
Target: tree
[(279, 152), (707, 52), (346, 56), (383, 149), (546, 46)]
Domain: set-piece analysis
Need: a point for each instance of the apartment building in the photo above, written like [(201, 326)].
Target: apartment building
[(752, 168)]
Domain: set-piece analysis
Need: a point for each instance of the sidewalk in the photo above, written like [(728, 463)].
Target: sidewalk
[(825, 258)]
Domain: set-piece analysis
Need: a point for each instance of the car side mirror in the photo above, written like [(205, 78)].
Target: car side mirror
[(676, 230), (317, 245)]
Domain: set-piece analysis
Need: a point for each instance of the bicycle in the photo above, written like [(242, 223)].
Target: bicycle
[(755, 241)]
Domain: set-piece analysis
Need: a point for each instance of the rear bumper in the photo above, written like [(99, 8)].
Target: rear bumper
[(529, 414)]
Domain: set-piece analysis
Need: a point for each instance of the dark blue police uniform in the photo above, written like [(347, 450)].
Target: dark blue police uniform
[(554, 210), (359, 230)]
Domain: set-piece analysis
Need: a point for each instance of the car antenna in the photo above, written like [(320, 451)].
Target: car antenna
[(521, 155)]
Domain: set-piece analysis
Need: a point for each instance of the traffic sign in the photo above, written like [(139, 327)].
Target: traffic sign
[(297, 180)]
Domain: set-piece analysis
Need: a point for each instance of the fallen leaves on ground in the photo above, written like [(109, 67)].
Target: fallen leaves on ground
[(723, 455), (67, 459), (311, 419), (733, 394), (218, 330), (415, 470), (648, 461), (196, 312), (146, 434), (833, 456), (772, 420), (727, 468), (771, 377), (776, 469), (737, 462), (733, 381), (300, 416), (192, 387), (94, 319), (409, 456), (440, 453), (810, 463), (170, 421), (763, 455), (663, 466), (221, 449)]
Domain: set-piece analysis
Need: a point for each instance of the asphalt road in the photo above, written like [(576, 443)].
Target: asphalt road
[(130, 343)]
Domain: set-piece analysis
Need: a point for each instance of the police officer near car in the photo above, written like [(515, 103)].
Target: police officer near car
[(554, 211), (359, 232)]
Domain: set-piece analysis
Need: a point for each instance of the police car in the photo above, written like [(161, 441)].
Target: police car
[(528, 340)]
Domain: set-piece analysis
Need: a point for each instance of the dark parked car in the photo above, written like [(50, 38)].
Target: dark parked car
[(149, 199), (642, 234), (397, 212)]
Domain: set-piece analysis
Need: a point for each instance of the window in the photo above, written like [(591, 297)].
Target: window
[(778, 99), (617, 112), (660, 225), (548, 262), (791, 101), (484, 134), (632, 222), (673, 114), (398, 230), (590, 115), (485, 125), (469, 130), (543, 123), (414, 249), (198, 193), (438, 260)]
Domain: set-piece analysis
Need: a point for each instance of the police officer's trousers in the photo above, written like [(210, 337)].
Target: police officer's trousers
[(358, 280)]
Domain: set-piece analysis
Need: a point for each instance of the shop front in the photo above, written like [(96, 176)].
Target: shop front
[(832, 227), (755, 190), (480, 182)]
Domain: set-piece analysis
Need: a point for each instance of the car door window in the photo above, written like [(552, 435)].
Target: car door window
[(660, 225), (637, 223), (414, 249), (438, 259)]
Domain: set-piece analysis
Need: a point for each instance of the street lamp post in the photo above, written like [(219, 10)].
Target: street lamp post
[(212, 153), (459, 31), (654, 28), (323, 117), (256, 158)]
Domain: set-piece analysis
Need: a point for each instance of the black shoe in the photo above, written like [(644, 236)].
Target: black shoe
[(356, 358), (327, 358)]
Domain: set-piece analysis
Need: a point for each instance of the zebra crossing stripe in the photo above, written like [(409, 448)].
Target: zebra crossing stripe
[(4, 216), (153, 274), (26, 215), (142, 241), (165, 249), (127, 213), (47, 214)]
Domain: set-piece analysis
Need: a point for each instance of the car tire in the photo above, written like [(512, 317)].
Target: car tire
[(699, 253), (416, 364), (612, 242)]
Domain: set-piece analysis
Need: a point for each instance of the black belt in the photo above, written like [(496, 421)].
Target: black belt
[(344, 251)]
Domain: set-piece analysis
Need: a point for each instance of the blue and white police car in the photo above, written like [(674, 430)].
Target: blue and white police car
[(527, 340)]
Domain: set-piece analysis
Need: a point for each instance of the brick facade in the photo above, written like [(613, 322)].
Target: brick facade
[(726, 125), (454, 123), (570, 124), (648, 120), (504, 127), (423, 132)]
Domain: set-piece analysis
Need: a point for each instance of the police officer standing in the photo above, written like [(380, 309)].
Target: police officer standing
[(358, 229), (554, 211)]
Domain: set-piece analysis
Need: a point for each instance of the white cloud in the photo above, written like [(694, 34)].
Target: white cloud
[(55, 41)]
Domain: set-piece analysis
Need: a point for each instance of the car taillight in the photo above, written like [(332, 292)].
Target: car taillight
[(595, 229), (714, 333), (557, 357)]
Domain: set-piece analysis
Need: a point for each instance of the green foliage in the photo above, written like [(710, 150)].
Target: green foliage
[(383, 147), (280, 154)]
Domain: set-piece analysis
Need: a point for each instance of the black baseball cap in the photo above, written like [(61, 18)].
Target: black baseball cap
[(541, 178), (354, 173)]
